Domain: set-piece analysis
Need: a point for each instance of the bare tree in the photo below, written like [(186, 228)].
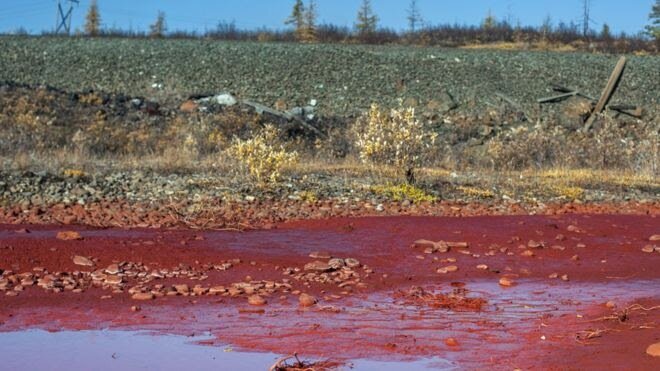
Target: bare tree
[(586, 10), (414, 16), (93, 20), (158, 28), (367, 20)]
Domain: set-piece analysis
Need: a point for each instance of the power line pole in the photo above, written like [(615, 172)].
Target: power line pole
[(586, 6), (64, 18)]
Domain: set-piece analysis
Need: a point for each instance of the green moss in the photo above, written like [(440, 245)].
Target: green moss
[(402, 192)]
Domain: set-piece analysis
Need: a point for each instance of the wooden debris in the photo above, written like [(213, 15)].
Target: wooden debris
[(610, 88)]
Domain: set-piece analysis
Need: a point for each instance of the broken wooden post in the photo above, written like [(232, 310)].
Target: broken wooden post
[(607, 92), (556, 98)]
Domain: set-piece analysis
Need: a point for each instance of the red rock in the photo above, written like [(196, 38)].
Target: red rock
[(423, 244), (507, 282), (648, 249), (256, 300), (451, 342), (143, 296), (306, 300), (188, 106), (459, 245), (655, 237), (527, 253), (447, 269), (69, 236), (653, 350), (81, 260), (317, 266)]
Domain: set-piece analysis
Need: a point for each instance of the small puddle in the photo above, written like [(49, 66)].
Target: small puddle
[(129, 350)]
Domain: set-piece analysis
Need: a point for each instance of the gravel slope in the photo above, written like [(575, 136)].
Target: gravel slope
[(343, 78)]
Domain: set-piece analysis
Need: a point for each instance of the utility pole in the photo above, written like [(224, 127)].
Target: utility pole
[(586, 18), (63, 23)]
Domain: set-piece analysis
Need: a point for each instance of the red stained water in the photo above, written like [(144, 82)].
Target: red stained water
[(530, 325)]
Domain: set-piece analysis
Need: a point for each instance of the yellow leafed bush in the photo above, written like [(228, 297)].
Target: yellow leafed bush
[(263, 159), (395, 138)]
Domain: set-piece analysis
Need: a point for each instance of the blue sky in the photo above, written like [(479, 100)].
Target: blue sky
[(37, 15)]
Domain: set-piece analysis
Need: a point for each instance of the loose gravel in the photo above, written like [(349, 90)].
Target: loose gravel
[(344, 79)]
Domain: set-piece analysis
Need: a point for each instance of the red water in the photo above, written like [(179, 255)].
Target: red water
[(533, 324)]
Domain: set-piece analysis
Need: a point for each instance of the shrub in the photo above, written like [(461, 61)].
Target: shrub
[(263, 159), (396, 138)]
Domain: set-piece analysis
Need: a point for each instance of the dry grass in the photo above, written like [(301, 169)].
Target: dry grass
[(536, 45)]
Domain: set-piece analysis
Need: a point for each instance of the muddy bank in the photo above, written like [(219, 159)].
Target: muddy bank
[(553, 291), (267, 213)]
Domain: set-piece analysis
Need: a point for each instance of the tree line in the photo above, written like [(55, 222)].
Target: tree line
[(303, 27)]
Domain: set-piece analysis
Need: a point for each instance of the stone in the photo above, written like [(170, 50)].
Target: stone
[(527, 253), (83, 261), (143, 296), (653, 350), (317, 266), (306, 300), (181, 289), (256, 300), (69, 236), (507, 282), (113, 280), (655, 237), (336, 263), (113, 269), (188, 106), (320, 255), (223, 99), (648, 249), (423, 244), (215, 290), (199, 290), (574, 229), (459, 245), (483, 267), (534, 244), (451, 342), (447, 269), (352, 263)]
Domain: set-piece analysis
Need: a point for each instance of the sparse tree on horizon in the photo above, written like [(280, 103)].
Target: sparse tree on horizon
[(653, 29), (489, 22), (297, 17), (93, 20), (606, 33), (309, 25), (414, 16), (546, 27), (586, 18), (158, 28), (367, 20)]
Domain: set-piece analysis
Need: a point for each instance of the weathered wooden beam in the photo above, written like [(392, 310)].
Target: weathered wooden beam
[(556, 98), (563, 89), (611, 86)]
